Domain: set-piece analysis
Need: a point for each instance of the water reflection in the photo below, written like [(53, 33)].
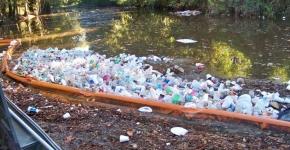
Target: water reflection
[(228, 47), (232, 62)]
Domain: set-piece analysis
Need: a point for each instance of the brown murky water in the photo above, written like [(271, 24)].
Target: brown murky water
[(256, 49)]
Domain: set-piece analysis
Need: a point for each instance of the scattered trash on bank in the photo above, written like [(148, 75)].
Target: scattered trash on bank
[(66, 116), (200, 66), (178, 131), (124, 138), (186, 41), (33, 110), (135, 146), (145, 109), (69, 139), (131, 132), (50, 106)]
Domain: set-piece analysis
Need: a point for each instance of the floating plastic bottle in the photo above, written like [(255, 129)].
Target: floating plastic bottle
[(188, 98), (179, 68), (175, 99), (251, 93), (221, 88), (169, 90)]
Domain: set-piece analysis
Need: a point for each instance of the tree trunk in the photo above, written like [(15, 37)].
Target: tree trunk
[(37, 7), (26, 10), (45, 7), (10, 11), (3, 14), (204, 5), (15, 9), (30, 6)]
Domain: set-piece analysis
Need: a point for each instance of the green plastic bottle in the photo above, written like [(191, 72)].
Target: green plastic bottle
[(169, 90), (117, 61), (175, 99)]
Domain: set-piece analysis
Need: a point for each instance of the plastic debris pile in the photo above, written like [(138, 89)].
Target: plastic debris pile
[(187, 13), (128, 75)]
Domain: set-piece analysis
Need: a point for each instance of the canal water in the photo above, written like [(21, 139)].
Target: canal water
[(229, 47)]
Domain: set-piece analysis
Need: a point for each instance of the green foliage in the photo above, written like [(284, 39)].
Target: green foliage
[(217, 6), (125, 2), (281, 72), (267, 8), (221, 58), (98, 2), (136, 31)]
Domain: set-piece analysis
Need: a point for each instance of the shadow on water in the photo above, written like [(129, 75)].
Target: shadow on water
[(257, 49)]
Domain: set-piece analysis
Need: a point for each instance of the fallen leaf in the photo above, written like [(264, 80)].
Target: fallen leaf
[(135, 145), (281, 141), (130, 132), (243, 145), (201, 146), (69, 139), (155, 132), (204, 141)]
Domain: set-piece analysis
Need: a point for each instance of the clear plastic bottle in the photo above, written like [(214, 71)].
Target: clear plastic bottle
[(221, 88)]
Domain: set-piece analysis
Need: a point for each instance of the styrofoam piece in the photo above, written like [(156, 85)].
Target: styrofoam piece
[(227, 102), (287, 100), (124, 138), (275, 97), (186, 41), (190, 105), (178, 131), (208, 76), (288, 87), (199, 64), (66, 116), (145, 109)]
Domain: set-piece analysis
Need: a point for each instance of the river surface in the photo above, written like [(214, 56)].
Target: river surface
[(229, 47)]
